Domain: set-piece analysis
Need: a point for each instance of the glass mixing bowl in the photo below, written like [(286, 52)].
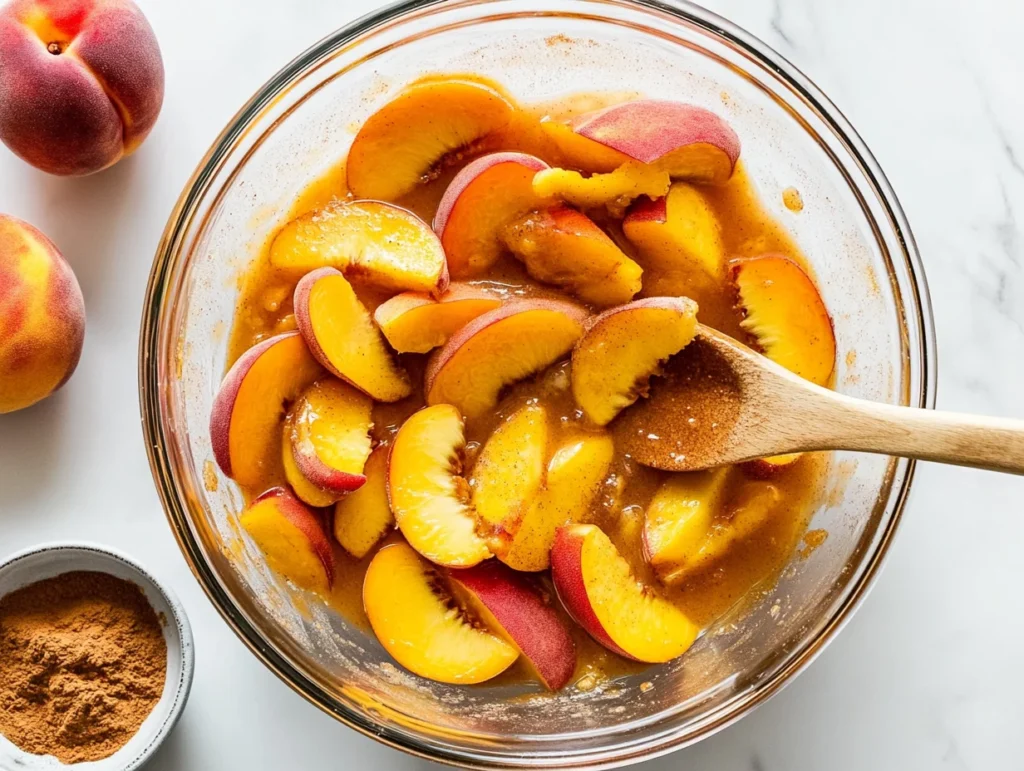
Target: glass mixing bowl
[(300, 123)]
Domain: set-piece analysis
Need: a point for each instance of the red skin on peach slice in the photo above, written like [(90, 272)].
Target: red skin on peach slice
[(300, 515), (330, 436), (81, 82), (531, 624)]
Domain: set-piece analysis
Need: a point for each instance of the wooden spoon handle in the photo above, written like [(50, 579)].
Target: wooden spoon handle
[(996, 444)]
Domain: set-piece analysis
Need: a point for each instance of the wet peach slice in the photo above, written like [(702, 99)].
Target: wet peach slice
[(411, 136), (418, 621), (600, 592), (291, 538), (510, 470), (617, 188), (482, 199), (574, 477), (416, 323), (769, 468), (368, 240), (679, 241), (429, 497), (565, 248), (342, 336), (246, 417), (785, 315), (363, 517), (499, 348), (306, 491), (330, 435), (581, 152), (625, 346), (511, 604)]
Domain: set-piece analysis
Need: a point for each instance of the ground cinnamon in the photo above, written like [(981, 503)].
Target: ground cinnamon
[(82, 664)]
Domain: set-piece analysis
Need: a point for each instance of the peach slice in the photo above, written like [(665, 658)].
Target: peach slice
[(785, 315), (482, 199), (499, 348), (562, 247), (582, 153), (363, 517), (574, 478), (625, 346), (416, 323), (678, 238), (291, 538), (423, 128), (511, 604), (330, 435), (617, 188), (769, 468), (600, 592), (510, 470), (342, 336), (369, 240), (306, 491), (246, 417), (429, 497), (680, 518), (418, 621)]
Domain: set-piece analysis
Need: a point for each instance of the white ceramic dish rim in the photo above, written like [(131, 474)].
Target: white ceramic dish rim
[(180, 631)]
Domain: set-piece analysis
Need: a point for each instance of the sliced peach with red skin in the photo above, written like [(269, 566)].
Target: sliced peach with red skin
[(341, 335), (429, 496), (785, 315), (292, 539), (581, 152), (482, 199), (565, 248), (363, 517), (428, 125), (414, 322), (511, 604), (623, 348), (499, 348), (371, 241), (598, 588), (679, 242), (245, 421), (306, 491), (330, 435), (417, 620), (574, 476), (510, 470)]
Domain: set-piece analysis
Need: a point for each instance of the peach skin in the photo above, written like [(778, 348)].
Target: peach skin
[(42, 316), (81, 82)]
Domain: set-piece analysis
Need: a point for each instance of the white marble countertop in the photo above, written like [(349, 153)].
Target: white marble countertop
[(927, 675)]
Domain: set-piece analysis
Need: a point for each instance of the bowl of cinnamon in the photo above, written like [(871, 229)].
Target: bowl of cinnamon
[(96, 660)]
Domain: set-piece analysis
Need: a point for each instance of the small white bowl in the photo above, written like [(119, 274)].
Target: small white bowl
[(44, 562)]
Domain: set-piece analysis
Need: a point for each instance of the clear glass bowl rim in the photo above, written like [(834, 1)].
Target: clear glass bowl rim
[(156, 442)]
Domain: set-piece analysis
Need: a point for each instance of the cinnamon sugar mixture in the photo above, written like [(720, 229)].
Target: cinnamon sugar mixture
[(82, 664)]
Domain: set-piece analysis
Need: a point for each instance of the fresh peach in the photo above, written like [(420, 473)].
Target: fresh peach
[(510, 603), (342, 336), (291, 538), (510, 470), (429, 125), (81, 82), (330, 435), (416, 323), (429, 496), (562, 247), (616, 189), (483, 198), (785, 315), (574, 476), (42, 316), (363, 517), (679, 242), (582, 153), (417, 620), (499, 348), (305, 491), (623, 348), (599, 590), (370, 241), (246, 417)]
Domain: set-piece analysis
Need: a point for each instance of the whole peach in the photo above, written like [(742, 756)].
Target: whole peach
[(42, 316), (81, 82)]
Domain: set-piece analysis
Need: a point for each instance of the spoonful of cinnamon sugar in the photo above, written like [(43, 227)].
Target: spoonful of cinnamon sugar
[(721, 403)]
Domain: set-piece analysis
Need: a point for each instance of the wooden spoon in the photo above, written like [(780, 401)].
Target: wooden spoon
[(721, 403)]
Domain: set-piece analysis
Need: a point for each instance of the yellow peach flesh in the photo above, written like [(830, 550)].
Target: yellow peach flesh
[(417, 323), (363, 517)]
